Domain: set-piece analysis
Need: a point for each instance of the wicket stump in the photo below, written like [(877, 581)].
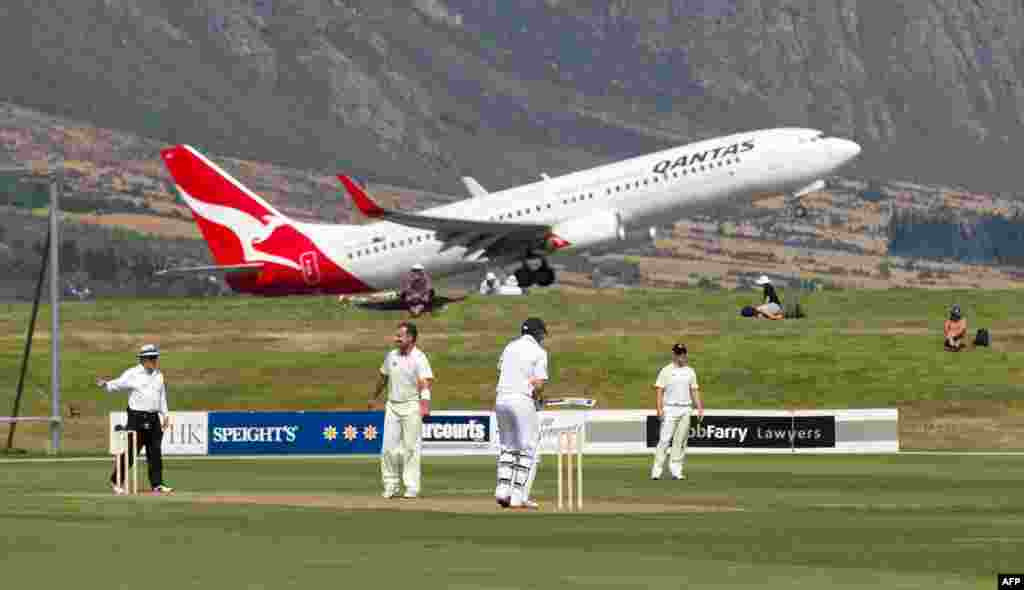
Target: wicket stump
[(569, 444), (131, 438)]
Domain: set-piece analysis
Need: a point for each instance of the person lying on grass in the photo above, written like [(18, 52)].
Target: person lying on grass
[(772, 307)]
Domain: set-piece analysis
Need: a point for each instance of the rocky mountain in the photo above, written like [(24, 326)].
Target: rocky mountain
[(123, 220), (417, 93), (122, 213)]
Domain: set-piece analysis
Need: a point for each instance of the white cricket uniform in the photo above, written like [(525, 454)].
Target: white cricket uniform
[(516, 413), (675, 425), (148, 391), (403, 425), (147, 408)]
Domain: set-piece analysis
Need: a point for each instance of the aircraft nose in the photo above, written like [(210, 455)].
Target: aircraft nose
[(844, 149)]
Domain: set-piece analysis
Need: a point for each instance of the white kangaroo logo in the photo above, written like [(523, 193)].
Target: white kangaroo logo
[(249, 230), (272, 223)]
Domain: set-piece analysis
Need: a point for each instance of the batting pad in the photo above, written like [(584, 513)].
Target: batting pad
[(523, 467), (506, 466), (535, 455)]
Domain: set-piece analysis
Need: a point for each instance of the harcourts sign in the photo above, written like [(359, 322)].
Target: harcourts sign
[(455, 433), (306, 433), (457, 428)]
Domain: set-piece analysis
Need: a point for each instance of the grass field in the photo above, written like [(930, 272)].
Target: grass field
[(886, 521), (863, 348), (908, 521)]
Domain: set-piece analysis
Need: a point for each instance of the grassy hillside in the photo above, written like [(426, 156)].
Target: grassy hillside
[(856, 349)]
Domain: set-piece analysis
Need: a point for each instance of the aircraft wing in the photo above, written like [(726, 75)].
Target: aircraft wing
[(492, 238)]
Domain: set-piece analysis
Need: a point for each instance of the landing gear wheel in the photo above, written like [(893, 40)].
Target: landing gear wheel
[(524, 277), (545, 276), (795, 211)]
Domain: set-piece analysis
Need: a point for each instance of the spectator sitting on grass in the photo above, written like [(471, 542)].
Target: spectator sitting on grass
[(416, 293), (511, 287), (955, 330), (490, 285)]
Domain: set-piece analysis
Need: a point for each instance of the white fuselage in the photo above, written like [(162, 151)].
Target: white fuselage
[(654, 189)]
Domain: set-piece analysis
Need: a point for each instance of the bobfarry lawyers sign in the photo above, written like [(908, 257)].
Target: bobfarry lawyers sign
[(306, 433), (754, 432)]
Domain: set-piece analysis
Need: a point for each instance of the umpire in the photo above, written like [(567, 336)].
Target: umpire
[(147, 414)]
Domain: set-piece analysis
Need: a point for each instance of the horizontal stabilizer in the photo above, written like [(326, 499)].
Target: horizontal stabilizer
[(245, 267), (815, 186)]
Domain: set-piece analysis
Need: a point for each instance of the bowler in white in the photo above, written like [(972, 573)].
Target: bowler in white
[(407, 374), (677, 390)]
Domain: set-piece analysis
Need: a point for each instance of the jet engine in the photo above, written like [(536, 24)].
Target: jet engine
[(587, 231)]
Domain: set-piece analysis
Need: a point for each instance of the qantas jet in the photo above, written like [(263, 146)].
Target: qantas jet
[(266, 253)]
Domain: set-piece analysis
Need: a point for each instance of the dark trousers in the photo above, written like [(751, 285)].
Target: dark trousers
[(149, 435)]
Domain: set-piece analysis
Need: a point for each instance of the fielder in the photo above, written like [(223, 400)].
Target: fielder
[(406, 372), (677, 388), (523, 372)]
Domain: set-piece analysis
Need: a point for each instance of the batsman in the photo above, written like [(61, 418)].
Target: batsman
[(523, 371)]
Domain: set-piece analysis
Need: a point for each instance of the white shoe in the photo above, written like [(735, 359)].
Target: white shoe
[(390, 494), (410, 494), (118, 490), (527, 505), (655, 477), (504, 502), (680, 476), (162, 489)]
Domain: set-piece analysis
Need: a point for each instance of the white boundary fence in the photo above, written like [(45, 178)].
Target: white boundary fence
[(624, 432), (627, 432)]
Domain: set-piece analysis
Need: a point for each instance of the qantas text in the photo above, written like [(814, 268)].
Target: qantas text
[(691, 159)]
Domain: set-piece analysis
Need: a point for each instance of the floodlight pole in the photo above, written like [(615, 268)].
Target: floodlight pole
[(55, 413)]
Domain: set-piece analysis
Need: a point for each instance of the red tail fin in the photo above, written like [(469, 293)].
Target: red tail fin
[(229, 215), (242, 229)]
